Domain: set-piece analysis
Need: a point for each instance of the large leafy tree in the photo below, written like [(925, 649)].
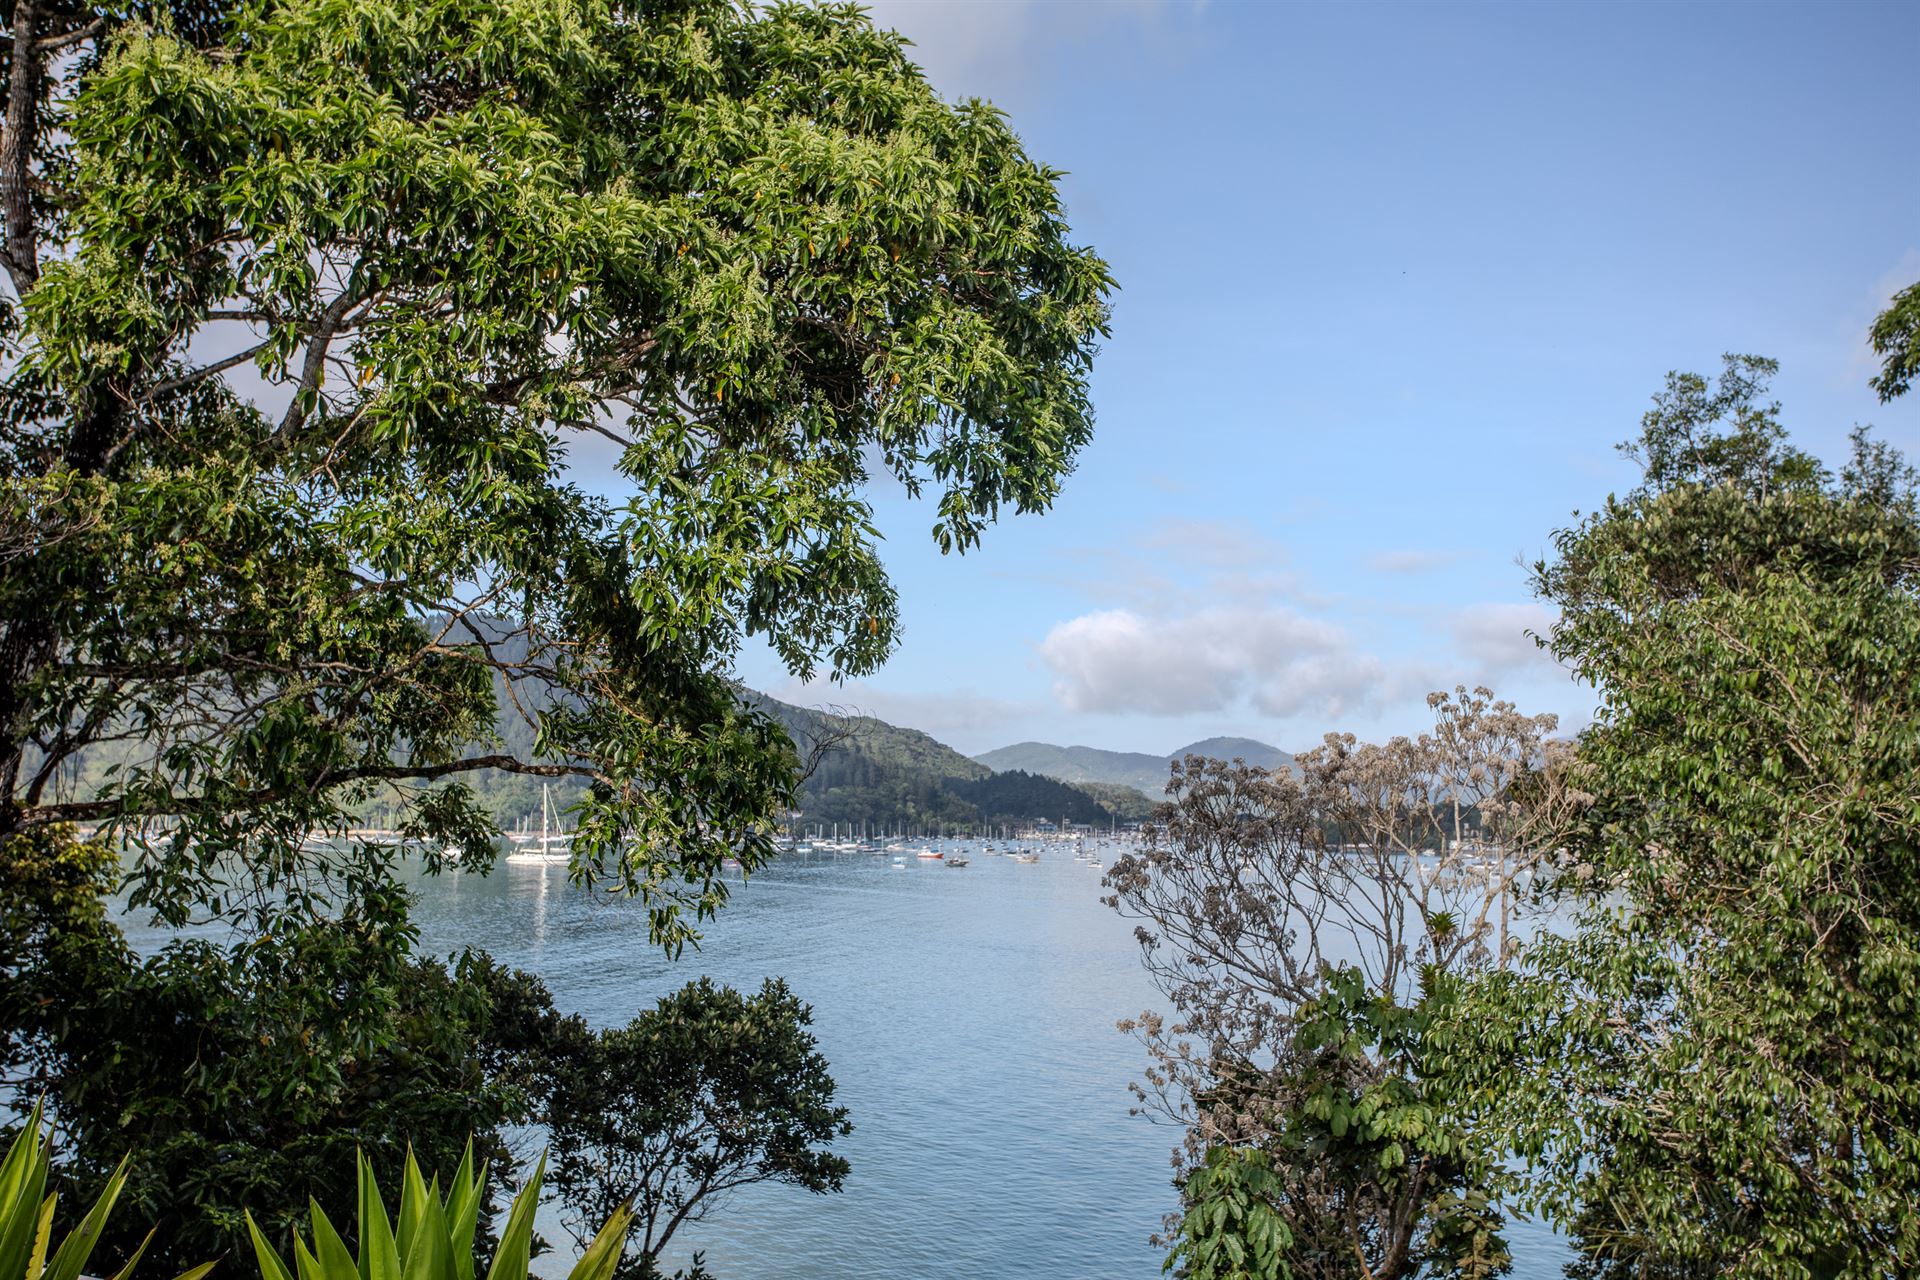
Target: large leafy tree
[(379, 367), (397, 397), (1714, 1073)]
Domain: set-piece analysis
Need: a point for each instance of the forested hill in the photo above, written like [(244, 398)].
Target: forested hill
[(1083, 764), (887, 776), (1142, 772), (1254, 752)]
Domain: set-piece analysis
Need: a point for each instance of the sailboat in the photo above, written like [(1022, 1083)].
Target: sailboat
[(545, 851)]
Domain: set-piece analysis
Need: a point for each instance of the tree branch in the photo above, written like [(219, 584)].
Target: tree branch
[(204, 372), (53, 44), (100, 810), (22, 248), (315, 367)]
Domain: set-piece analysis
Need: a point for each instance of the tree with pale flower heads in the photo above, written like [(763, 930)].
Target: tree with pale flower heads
[(1308, 928)]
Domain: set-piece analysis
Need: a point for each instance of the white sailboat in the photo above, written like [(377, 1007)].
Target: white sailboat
[(545, 851)]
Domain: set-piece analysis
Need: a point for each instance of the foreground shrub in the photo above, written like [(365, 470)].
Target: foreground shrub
[(26, 1217), (433, 1237)]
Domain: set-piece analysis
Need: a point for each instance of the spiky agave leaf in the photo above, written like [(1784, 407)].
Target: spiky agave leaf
[(23, 1199), (463, 1214), (516, 1242), (434, 1236), (27, 1209), (603, 1255)]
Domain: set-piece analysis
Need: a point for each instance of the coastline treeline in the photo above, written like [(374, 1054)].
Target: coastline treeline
[(882, 777)]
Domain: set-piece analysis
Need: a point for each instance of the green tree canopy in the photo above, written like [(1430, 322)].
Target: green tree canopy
[(709, 1091), (245, 1079), (1896, 340), (1715, 1072), (309, 325)]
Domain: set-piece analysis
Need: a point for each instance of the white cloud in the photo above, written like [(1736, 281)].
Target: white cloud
[(1215, 544), (987, 48), (958, 41), (1495, 638), (1181, 564), (1276, 660), (1411, 560)]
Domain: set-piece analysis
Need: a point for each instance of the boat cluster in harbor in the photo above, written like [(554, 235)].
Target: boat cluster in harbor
[(551, 843), (957, 853)]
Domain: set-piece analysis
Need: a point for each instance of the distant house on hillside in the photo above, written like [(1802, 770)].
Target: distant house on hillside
[(1042, 827)]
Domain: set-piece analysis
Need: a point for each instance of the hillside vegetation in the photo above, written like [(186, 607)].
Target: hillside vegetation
[(1083, 764), (1132, 769), (887, 776), (866, 771), (1254, 752)]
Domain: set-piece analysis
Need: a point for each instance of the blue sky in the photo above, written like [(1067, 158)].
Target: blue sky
[(1394, 282)]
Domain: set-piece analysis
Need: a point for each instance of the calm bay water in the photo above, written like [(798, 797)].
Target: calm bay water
[(968, 1014)]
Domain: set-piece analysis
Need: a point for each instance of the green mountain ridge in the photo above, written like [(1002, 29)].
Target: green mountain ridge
[(1083, 764), (887, 776), (1136, 769)]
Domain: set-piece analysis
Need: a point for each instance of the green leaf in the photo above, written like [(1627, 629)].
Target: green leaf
[(271, 1268), (516, 1242), (71, 1258), (330, 1251), (379, 1252), (602, 1257)]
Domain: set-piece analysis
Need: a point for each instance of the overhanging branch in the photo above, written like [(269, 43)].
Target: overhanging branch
[(101, 810)]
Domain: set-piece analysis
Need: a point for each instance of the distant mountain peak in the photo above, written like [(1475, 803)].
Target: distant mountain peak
[(1253, 751), (1134, 769), (881, 776)]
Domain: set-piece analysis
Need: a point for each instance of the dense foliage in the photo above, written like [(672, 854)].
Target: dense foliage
[(235, 1084), (1896, 339), (1714, 1073), (1230, 1229), (735, 258), (227, 1079), (707, 1092), (29, 1207), (373, 372)]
